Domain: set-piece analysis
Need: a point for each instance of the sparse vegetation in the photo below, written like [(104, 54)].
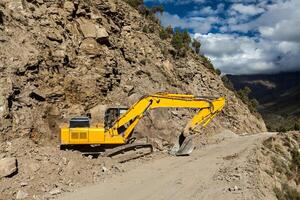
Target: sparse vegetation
[(196, 45), (170, 30), (180, 41), (284, 127), (297, 127), (166, 33), (145, 29), (145, 11), (286, 193), (156, 9), (286, 163), (163, 34), (295, 164), (243, 94), (218, 71), (135, 3), (227, 83), (208, 64)]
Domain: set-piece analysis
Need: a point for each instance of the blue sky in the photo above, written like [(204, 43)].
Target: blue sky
[(240, 36)]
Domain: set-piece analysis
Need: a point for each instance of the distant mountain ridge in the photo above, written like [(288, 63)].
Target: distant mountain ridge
[(278, 95)]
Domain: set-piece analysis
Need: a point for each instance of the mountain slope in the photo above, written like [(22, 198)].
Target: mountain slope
[(60, 60), (278, 95)]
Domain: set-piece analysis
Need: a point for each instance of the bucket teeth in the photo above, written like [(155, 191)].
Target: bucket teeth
[(184, 147)]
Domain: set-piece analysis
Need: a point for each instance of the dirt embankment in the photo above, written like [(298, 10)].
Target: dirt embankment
[(279, 164)]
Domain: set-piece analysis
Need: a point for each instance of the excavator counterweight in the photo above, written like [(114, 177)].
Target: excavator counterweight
[(120, 122)]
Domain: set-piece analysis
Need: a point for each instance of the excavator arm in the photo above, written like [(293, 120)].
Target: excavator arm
[(208, 107)]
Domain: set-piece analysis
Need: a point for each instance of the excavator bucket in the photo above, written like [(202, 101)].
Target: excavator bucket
[(184, 147)]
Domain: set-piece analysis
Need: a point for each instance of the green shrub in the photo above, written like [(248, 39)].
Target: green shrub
[(252, 104), (282, 129), (151, 28), (186, 37), (163, 34), (145, 29), (143, 10), (242, 94), (286, 193), (170, 30), (227, 83), (218, 72), (135, 3), (180, 41), (297, 127), (295, 164), (156, 9), (177, 41), (196, 44)]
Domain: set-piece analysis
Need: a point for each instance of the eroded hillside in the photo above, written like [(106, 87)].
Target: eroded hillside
[(65, 59)]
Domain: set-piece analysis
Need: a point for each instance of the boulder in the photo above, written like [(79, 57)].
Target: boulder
[(87, 28), (34, 166), (8, 166), (55, 35), (15, 5), (55, 191), (89, 46), (69, 7), (21, 195), (101, 33)]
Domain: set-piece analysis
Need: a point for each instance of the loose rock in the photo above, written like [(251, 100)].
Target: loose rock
[(55, 191), (8, 166), (21, 195)]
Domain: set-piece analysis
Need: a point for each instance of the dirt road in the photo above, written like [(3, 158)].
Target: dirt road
[(217, 171)]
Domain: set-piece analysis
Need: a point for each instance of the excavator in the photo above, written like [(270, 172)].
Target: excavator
[(119, 123)]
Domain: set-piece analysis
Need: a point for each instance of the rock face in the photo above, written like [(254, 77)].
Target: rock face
[(21, 195), (61, 60), (8, 166)]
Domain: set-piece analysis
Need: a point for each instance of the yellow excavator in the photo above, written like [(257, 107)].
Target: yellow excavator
[(116, 135)]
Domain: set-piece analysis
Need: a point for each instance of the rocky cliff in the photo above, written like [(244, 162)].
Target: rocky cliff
[(60, 59)]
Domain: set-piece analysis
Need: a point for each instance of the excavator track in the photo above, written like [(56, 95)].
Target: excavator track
[(128, 152)]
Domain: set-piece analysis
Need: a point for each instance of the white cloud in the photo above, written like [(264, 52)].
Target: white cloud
[(275, 48), (177, 2), (285, 30), (247, 9), (279, 21), (207, 10), (244, 55), (198, 24)]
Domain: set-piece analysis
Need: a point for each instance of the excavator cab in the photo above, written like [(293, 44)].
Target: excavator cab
[(111, 115)]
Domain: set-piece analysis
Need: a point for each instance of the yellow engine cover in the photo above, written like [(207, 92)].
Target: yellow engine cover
[(88, 136)]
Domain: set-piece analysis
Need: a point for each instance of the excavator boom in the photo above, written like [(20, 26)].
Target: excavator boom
[(208, 107)]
